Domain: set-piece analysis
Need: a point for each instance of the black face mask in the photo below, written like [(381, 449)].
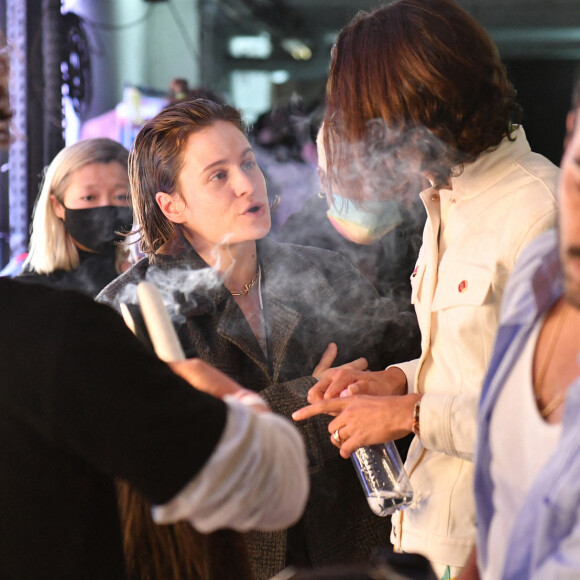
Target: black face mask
[(95, 228)]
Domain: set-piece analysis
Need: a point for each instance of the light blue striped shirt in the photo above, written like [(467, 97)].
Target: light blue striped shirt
[(545, 540)]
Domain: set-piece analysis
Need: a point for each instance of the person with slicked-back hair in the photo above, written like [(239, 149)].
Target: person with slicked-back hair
[(83, 403), (417, 89), (262, 312)]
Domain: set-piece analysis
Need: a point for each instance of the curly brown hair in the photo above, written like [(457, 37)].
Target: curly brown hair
[(419, 66)]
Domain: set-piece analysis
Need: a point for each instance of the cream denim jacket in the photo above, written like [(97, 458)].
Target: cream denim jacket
[(473, 235)]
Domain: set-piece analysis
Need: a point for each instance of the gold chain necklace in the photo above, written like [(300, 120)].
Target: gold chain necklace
[(557, 399), (247, 287)]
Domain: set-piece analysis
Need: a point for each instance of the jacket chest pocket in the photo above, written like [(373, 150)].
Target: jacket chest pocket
[(466, 316), (467, 285)]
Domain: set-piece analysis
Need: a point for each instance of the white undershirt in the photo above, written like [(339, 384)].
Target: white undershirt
[(521, 443)]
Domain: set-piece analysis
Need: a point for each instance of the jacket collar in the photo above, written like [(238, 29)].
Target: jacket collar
[(491, 166), (280, 315)]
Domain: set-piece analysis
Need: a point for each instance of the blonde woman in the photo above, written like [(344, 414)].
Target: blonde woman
[(82, 209)]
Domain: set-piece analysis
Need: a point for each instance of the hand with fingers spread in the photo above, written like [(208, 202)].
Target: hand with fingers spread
[(364, 420), (329, 356), (342, 381)]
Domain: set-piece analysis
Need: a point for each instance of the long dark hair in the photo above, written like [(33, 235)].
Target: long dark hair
[(177, 551)]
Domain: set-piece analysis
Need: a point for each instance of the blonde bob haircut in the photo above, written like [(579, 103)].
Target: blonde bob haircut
[(51, 247)]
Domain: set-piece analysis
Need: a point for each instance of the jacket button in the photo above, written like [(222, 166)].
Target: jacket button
[(462, 286)]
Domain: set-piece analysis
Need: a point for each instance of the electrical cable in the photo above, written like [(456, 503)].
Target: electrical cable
[(183, 31)]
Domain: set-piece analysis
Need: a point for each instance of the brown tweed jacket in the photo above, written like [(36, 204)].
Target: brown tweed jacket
[(311, 297)]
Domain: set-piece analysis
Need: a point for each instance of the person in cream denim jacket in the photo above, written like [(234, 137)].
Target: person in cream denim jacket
[(472, 239), (448, 110), (474, 234)]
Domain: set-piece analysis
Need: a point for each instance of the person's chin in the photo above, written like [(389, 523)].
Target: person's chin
[(263, 231), (572, 295), (250, 233), (261, 226)]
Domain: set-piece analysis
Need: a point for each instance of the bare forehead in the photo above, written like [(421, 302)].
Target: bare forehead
[(99, 171), (219, 133)]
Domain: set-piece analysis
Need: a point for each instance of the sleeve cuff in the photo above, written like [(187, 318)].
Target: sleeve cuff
[(409, 368), (449, 424)]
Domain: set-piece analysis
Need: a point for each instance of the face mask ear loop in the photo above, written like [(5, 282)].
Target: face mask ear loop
[(61, 202)]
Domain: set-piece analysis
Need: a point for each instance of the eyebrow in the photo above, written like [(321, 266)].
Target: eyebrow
[(220, 161)]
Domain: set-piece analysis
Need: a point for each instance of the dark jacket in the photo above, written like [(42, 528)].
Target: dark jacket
[(93, 273), (311, 297), (79, 402)]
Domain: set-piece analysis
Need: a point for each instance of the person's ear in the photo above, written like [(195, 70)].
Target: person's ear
[(172, 206), (57, 207)]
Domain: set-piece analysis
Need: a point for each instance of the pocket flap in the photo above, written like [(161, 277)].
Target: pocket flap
[(416, 279), (466, 285)]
